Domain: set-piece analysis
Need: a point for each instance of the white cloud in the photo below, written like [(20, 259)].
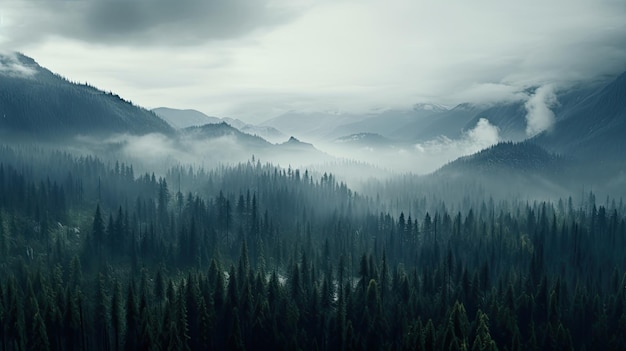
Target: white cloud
[(539, 115), (483, 135), (426, 157), (10, 65), (435, 153)]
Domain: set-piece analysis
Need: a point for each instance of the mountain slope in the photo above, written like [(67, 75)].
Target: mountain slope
[(34, 102), (448, 123), (268, 133), (388, 122), (229, 144), (318, 125), (224, 130), (515, 169), (524, 157), (180, 119), (593, 127), (364, 140), (329, 126)]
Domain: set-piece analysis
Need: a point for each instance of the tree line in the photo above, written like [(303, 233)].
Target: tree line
[(253, 256)]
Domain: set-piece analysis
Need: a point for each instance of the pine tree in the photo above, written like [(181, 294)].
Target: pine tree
[(483, 339), (38, 337), (116, 317), (97, 232), (101, 318), (131, 341)]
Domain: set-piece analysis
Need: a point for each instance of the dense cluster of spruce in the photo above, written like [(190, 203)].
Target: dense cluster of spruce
[(96, 257)]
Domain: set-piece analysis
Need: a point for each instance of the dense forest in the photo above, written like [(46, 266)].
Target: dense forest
[(96, 255)]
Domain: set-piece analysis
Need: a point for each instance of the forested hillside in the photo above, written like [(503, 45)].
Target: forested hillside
[(39, 104), (94, 256)]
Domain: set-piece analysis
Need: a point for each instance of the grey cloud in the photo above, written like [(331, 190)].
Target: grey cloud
[(143, 22), (345, 55)]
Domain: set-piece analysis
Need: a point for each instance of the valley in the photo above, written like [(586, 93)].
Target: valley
[(430, 228)]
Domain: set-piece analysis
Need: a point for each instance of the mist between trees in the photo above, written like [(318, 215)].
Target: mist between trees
[(96, 255)]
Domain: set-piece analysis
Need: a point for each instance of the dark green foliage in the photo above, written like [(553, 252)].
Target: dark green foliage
[(257, 257), (47, 106)]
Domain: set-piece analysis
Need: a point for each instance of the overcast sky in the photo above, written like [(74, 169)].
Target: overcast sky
[(255, 59)]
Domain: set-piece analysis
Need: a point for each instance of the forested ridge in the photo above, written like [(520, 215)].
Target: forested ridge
[(95, 255)]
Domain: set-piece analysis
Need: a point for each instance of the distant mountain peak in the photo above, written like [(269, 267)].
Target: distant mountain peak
[(465, 106), (364, 137), (356, 137), (181, 119), (63, 108), (430, 107), (221, 127), (295, 142)]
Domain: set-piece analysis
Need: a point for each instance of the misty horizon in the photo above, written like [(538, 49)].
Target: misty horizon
[(418, 140)]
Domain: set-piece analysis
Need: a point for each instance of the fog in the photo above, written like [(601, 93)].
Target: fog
[(351, 162), (157, 152), (418, 158), (356, 165)]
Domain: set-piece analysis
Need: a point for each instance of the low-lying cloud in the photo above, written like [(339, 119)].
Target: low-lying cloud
[(156, 150), (435, 153), (539, 117), (421, 158), (11, 66), (483, 135)]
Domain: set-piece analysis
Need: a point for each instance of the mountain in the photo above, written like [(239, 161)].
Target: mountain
[(364, 140), (318, 125), (426, 122), (294, 144), (329, 126), (228, 144), (37, 103), (507, 157), (268, 133), (593, 128), (510, 118), (449, 123), (430, 107), (388, 122), (585, 147), (517, 169), (297, 153), (180, 119), (224, 130)]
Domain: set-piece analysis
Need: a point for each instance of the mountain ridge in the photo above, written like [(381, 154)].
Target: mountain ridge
[(183, 118), (44, 105)]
